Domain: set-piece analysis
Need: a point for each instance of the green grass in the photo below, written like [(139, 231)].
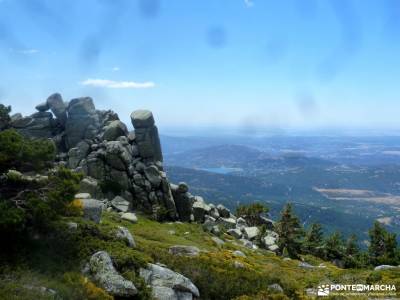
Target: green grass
[(55, 262)]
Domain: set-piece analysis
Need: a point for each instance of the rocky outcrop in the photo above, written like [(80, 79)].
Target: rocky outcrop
[(125, 168), (167, 284), (101, 270)]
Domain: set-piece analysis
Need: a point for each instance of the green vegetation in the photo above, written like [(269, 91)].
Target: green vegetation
[(4, 116), (213, 271), (18, 152), (252, 213), (383, 246), (31, 204), (290, 232), (313, 241)]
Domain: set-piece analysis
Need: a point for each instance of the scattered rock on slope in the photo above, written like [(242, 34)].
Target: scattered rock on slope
[(167, 284), (100, 269)]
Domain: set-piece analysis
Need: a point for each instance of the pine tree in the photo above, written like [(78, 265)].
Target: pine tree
[(352, 252), (334, 246), (290, 232), (376, 249), (313, 241), (4, 116), (383, 246)]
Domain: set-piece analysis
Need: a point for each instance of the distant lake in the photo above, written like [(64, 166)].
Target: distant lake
[(221, 170)]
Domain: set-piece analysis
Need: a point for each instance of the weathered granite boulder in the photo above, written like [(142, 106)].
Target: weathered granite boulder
[(200, 209), (57, 106), (270, 240), (83, 121), (146, 135), (236, 233), (130, 217), (42, 107), (213, 211), (117, 156), (100, 269), (385, 267), (153, 175), (91, 186), (240, 223), (114, 130), (250, 233), (38, 125), (120, 204), (92, 209), (167, 284), (123, 233), (76, 154), (223, 211), (182, 202)]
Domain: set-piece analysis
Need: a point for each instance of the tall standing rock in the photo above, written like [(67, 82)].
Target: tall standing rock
[(57, 107), (83, 121), (146, 135)]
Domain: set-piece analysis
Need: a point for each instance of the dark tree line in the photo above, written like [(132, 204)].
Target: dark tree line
[(294, 240)]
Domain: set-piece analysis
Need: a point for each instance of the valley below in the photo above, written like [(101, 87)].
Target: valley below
[(343, 183)]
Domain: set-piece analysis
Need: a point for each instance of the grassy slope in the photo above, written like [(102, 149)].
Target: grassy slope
[(55, 263)]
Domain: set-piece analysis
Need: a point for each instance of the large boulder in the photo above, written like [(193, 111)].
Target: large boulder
[(153, 175), (117, 156), (167, 284), (38, 125), (76, 154), (92, 209), (114, 130), (223, 211), (100, 269), (123, 233), (146, 135), (200, 209), (236, 233), (142, 118), (57, 106), (91, 186), (130, 217), (42, 107), (120, 204), (182, 202), (250, 233), (83, 121)]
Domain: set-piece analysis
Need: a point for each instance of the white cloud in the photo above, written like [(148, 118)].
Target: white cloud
[(249, 3), (25, 51), (115, 69), (118, 84)]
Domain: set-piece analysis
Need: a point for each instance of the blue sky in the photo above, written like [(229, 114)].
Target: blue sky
[(302, 64)]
